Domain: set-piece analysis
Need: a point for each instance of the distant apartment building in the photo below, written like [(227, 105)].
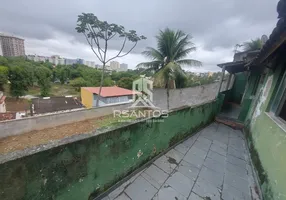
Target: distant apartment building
[(90, 64), (114, 65), (37, 58), (123, 67), (80, 61), (61, 61), (54, 59), (57, 60), (12, 46), (70, 61), (97, 66)]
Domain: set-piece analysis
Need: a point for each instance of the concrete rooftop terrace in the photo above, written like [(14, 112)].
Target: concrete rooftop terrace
[(214, 164)]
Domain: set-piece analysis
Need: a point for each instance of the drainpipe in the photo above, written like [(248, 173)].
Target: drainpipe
[(221, 80)]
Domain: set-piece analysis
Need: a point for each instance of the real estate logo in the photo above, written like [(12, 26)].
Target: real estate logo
[(143, 106), (142, 93)]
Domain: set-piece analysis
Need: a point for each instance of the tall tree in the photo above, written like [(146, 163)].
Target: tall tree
[(44, 75), (3, 77), (253, 45), (172, 49), (77, 83), (98, 34), (19, 81)]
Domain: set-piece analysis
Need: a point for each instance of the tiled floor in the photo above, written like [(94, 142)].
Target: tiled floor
[(211, 165)]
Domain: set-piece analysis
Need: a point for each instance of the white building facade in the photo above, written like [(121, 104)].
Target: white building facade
[(123, 67), (114, 65)]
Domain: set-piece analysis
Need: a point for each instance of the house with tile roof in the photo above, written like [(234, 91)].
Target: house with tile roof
[(108, 96)]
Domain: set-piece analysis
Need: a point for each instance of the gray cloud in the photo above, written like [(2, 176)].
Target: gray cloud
[(213, 23)]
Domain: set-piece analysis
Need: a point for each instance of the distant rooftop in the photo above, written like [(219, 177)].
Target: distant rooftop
[(55, 104), (110, 91)]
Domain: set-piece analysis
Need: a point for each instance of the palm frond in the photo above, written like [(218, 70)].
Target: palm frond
[(153, 54), (253, 45), (182, 53), (172, 45), (155, 65), (189, 62)]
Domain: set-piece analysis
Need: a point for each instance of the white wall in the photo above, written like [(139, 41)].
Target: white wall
[(2, 107)]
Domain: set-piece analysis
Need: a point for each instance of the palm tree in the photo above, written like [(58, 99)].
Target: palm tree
[(253, 45), (172, 48)]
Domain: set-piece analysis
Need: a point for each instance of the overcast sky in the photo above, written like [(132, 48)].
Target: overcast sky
[(48, 26)]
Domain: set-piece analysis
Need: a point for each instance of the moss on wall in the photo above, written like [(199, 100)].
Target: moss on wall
[(83, 169), (267, 142)]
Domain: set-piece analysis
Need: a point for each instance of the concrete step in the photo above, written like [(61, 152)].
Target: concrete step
[(235, 124)]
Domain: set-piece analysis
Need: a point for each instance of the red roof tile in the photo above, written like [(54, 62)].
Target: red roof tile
[(7, 116), (110, 91)]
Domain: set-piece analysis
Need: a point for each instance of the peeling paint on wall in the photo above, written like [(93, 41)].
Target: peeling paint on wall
[(264, 91)]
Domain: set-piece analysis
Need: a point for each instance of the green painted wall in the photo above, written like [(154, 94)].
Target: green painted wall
[(83, 169), (238, 88), (267, 141), (245, 106), (249, 95)]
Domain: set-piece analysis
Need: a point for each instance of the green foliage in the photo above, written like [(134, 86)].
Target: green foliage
[(3, 77), (43, 75), (79, 82), (19, 81), (108, 82), (202, 79), (125, 82), (172, 47), (3, 61), (253, 45)]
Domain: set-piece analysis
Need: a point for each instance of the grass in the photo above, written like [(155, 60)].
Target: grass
[(57, 89)]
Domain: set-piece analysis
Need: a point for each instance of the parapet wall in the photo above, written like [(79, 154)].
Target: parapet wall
[(19, 126), (83, 168)]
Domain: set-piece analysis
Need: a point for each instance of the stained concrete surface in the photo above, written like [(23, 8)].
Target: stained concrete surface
[(213, 165), (186, 96)]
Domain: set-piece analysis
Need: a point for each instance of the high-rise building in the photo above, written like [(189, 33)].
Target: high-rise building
[(54, 59), (12, 46), (80, 61), (97, 66), (114, 65), (61, 61), (123, 67), (70, 61)]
